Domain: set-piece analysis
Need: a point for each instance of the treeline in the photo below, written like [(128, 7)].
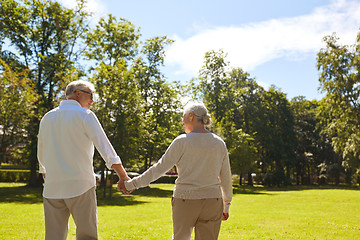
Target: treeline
[(277, 141)]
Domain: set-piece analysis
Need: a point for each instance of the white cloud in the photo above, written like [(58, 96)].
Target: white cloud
[(93, 6), (251, 45)]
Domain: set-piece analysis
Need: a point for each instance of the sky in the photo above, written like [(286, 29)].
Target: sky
[(275, 41)]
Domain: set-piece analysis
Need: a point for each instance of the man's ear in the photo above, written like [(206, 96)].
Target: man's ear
[(77, 94)]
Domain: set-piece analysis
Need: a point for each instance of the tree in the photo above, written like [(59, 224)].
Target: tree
[(161, 101), (112, 46), (111, 41), (214, 86), (276, 137), (136, 105), (243, 153), (17, 99), (46, 38), (230, 94), (247, 101), (339, 79), (309, 139)]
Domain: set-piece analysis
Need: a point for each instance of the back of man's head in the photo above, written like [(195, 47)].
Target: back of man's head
[(78, 85)]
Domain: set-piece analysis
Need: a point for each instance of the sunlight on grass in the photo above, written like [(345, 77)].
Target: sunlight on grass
[(255, 213)]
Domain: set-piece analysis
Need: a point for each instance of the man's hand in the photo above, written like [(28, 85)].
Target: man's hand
[(120, 171), (121, 187), (225, 216)]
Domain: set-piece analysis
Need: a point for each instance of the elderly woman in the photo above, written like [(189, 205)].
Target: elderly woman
[(203, 190)]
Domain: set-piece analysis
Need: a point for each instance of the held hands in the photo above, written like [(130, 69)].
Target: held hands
[(121, 187), (119, 169), (225, 216)]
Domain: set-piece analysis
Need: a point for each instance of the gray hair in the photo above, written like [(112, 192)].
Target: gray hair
[(199, 111), (78, 85)]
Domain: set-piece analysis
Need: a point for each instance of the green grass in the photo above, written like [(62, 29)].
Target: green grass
[(256, 213)]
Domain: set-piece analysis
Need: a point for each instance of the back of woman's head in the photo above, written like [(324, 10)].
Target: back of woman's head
[(199, 111)]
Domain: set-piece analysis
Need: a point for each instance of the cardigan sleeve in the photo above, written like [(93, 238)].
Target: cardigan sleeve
[(226, 182), (166, 162)]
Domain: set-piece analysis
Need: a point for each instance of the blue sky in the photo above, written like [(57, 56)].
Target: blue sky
[(276, 41)]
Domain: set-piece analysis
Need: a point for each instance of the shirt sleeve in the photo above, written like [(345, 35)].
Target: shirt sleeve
[(97, 135), (166, 162), (40, 150), (226, 182)]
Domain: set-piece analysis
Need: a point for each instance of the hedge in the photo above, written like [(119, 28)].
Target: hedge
[(14, 175), (167, 179)]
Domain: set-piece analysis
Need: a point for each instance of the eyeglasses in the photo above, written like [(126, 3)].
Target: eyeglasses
[(91, 95)]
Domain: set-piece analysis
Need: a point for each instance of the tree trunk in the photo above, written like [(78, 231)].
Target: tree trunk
[(35, 179), (111, 183), (250, 180)]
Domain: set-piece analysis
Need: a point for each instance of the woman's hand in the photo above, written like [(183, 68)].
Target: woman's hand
[(121, 187)]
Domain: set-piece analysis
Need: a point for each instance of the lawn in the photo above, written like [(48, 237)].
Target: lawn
[(256, 213)]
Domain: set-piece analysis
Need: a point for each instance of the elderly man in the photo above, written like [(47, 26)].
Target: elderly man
[(66, 140)]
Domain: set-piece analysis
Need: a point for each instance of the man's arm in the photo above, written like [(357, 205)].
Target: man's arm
[(40, 151), (120, 171), (97, 135)]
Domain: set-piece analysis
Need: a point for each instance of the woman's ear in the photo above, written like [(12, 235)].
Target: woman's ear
[(191, 116)]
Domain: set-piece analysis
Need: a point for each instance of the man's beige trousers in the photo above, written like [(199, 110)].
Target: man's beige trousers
[(203, 214), (83, 211)]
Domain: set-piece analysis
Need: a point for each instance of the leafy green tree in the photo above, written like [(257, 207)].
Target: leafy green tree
[(230, 95), (118, 107), (46, 38), (136, 105), (242, 153), (276, 137), (112, 41), (112, 45), (245, 116), (162, 106), (315, 156), (17, 99), (309, 139), (339, 80), (214, 86)]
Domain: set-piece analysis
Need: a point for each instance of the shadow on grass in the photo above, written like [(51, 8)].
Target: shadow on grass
[(248, 190), (153, 192), (117, 198), (33, 195), (259, 189), (30, 195), (21, 194)]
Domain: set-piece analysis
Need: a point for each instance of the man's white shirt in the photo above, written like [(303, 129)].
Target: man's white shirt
[(66, 140)]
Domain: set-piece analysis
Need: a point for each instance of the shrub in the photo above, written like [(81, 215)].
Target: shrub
[(167, 179), (14, 175)]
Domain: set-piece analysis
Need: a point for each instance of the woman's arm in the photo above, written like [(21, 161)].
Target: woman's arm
[(226, 183), (166, 162)]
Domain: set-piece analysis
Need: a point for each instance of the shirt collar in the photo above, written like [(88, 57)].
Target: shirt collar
[(69, 102)]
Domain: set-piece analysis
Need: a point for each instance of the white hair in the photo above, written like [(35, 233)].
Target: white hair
[(78, 85), (199, 111)]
